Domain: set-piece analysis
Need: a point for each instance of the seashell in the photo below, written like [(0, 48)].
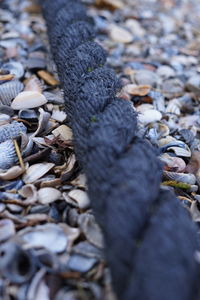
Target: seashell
[(17, 265), (15, 68), (173, 163), (36, 171), (149, 116), (4, 119), (143, 107), (54, 98), (91, 229), (184, 152), (7, 229), (194, 210), (180, 177), (88, 250), (11, 131), (58, 115), (11, 173), (64, 132), (28, 99), (79, 181), (173, 107), (112, 4), (47, 77), (79, 263), (137, 90), (9, 90), (48, 236), (7, 110), (193, 84), (79, 198), (119, 34), (28, 115), (48, 195), (37, 289), (166, 140), (29, 192), (43, 122), (33, 84), (8, 156)]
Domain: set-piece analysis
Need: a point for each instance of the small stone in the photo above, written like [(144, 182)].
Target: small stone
[(28, 99)]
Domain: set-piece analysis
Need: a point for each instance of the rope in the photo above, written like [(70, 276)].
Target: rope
[(150, 241)]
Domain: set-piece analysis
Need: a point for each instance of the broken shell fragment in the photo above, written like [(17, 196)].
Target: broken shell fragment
[(33, 84), (29, 192), (64, 132), (36, 171), (48, 195), (28, 99), (9, 90), (137, 90)]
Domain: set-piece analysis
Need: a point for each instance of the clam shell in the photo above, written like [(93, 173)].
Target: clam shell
[(11, 173), (149, 116), (8, 156), (36, 171), (28, 99), (9, 90), (33, 84), (15, 68), (28, 114), (180, 177), (80, 198), (48, 195), (11, 131), (29, 192), (7, 229), (49, 236)]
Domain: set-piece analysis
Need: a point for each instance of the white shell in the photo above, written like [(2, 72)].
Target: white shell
[(28, 99), (120, 35), (7, 229), (49, 236), (80, 197), (64, 132), (11, 173), (36, 171), (150, 116), (48, 195)]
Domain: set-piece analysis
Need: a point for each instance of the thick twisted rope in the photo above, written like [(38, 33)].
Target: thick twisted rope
[(150, 240)]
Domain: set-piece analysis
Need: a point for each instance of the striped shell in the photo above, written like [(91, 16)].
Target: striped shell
[(8, 156), (9, 90), (11, 131)]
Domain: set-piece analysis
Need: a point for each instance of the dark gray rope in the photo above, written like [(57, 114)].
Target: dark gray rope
[(150, 240)]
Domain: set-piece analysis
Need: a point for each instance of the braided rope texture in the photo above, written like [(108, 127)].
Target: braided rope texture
[(150, 241)]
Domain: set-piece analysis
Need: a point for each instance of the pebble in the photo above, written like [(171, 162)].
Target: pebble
[(28, 99)]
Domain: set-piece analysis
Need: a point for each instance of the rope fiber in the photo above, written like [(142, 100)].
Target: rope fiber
[(150, 240)]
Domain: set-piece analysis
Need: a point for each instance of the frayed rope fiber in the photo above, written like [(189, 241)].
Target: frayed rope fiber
[(150, 241)]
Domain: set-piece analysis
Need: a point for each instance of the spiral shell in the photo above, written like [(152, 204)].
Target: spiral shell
[(9, 90)]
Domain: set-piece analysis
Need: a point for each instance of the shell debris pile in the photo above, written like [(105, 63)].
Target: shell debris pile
[(46, 222)]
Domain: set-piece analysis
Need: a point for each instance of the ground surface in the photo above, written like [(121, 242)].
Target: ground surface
[(50, 245)]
